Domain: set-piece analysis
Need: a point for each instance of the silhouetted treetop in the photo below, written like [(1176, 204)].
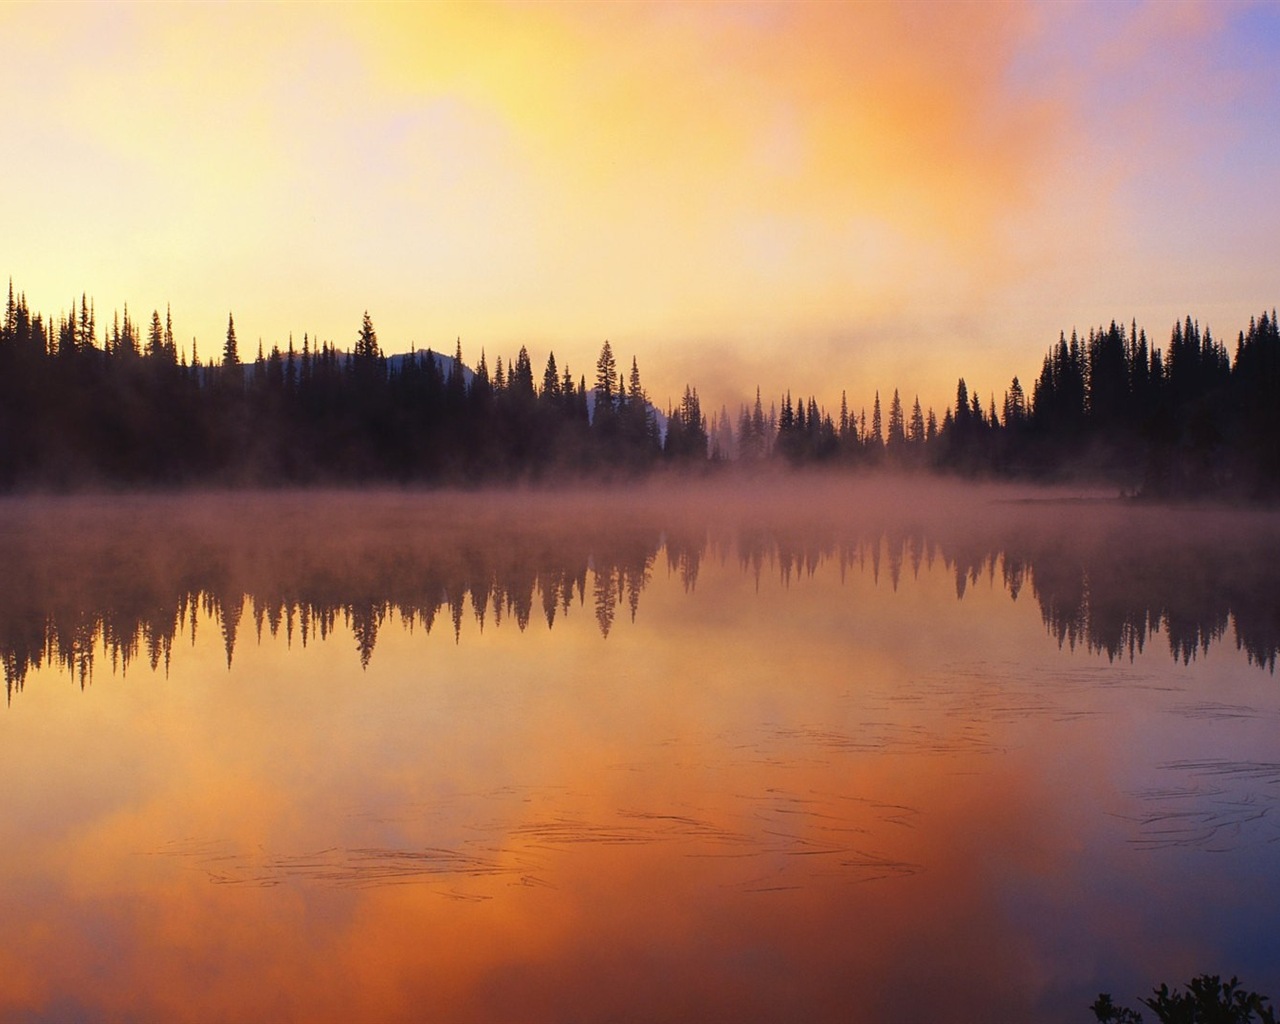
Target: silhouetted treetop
[(127, 411)]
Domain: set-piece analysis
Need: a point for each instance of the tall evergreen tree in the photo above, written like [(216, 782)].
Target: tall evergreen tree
[(916, 432), (155, 337), (551, 380), (230, 351), (606, 380), (897, 429), (367, 349)]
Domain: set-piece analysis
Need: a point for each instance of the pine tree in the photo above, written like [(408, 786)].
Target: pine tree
[(637, 392), (1015, 406), (367, 349), (126, 344), (520, 380), (10, 315), (170, 348), (606, 378), (640, 427), (687, 430), (759, 433), (455, 388), (155, 339), (897, 431), (551, 380), (86, 333), (481, 387), (230, 353)]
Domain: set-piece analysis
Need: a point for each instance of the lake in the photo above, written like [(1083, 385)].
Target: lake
[(795, 749)]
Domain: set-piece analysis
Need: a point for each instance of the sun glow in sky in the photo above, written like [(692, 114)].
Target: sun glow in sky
[(807, 196)]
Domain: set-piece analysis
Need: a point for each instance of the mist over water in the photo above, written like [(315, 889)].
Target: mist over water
[(1107, 575), (796, 749)]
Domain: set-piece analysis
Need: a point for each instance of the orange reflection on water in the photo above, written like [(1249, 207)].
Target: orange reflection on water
[(815, 796)]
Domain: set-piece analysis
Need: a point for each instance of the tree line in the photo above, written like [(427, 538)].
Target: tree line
[(1186, 420), (83, 405)]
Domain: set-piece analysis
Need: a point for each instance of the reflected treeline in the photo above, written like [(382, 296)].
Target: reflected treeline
[(1106, 576), (1113, 592), (129, 578)]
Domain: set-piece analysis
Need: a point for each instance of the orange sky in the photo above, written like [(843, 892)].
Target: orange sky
[(816, 196)]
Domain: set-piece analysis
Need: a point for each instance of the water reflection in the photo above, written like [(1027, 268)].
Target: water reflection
[(128, 577), (818, 754)]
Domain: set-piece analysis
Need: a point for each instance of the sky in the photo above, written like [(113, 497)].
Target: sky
[(814, 197)]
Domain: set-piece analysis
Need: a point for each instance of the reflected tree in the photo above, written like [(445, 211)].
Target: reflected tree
[(96, 580)]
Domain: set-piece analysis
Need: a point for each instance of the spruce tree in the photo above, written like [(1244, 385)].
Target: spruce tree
[(367, 349), (606, 377), (897, 430), (230, 353), (916, 434), (155, 339), (551, 380)]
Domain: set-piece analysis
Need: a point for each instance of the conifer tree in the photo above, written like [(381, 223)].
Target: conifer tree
[(606, 378), (367, 349), (637, 392), (230, 353), (759, 431), (126, 344), (551, 380), (917, 428), (897, 432), (455, 384), (1015, 405), (521, 378), (155, 338), (86, 334)]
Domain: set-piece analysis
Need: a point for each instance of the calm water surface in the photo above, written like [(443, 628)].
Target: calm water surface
[(815, 752)]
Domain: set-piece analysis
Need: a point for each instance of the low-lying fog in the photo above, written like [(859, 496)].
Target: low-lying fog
[(1106, 571)]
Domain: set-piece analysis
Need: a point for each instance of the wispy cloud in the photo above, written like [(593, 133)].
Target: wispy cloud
[(883, 194)]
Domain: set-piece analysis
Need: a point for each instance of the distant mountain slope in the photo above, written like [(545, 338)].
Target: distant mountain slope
[(396, 362)]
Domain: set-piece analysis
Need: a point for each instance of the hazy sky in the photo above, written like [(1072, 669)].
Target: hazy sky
[(817, 196)]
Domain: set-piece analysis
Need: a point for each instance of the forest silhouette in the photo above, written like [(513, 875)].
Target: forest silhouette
[(132, 576), (83, 406)]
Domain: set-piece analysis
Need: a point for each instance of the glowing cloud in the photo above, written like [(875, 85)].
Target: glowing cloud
[(798, 195)]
